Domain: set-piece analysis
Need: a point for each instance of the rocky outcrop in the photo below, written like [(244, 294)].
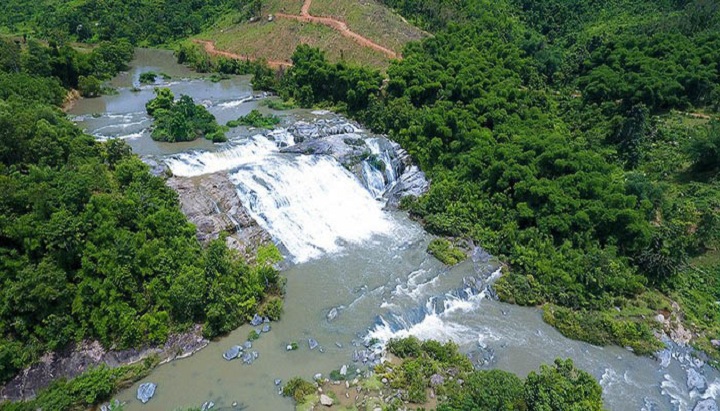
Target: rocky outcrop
[(706, 405), (211, 203), (89, 354)]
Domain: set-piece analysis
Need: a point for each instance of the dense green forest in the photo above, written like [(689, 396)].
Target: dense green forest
[(142, 22), (92, 245), (181, 120), (556, 134)]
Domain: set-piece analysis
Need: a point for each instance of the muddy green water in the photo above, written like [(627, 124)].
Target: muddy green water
[(382, 282)]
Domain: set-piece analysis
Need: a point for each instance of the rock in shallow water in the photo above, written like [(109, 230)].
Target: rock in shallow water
[(232, 353), (208, 405), (256, 320), (706, 405), (326, 401), (266, 328), (312, 343), (695, 381), (146, 391)]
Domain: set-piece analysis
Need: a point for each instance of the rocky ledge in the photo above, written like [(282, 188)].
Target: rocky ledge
[(211, 203), (71, 363)]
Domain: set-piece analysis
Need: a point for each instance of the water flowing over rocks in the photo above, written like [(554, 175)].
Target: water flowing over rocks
[(211, 203), (706, 405), (382, 165)]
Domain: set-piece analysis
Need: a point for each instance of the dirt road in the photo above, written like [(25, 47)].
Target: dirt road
[(209, 47)]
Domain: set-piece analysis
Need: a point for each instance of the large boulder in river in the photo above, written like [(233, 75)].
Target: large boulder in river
[(212, 204), (232, 353), (695, 381), (325, 400), (706, 405), (146, 391)]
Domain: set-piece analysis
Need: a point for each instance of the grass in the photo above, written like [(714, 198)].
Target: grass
[(371, 19), (278, 39)]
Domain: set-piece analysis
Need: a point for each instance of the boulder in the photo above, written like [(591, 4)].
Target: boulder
[(278, 381), (256, 320), (706, 405), (343, 370), (338, 344), (312, 343), (208, 405), (247, 345), (317, 377), (266, 328), (146, 391), (696, 381), (715, 343), (232, 353), (326, 401), (437, 379), (332, 314)]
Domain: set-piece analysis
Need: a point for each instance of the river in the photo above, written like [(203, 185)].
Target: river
[(355, 270)]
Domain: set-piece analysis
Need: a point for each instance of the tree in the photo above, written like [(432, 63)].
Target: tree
[(562, 387)]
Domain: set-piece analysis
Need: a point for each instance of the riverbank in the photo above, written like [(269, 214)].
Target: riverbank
[(90, 354)]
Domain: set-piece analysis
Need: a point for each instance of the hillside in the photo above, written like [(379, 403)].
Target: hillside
[(357, 32)]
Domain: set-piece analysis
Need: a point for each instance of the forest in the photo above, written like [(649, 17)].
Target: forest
[(92, 245), (574, 142)]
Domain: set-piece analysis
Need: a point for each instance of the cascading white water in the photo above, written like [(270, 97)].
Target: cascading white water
[(377, 180), (310, 203)]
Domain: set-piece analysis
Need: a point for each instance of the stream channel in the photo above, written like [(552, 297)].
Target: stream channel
[(356, 270)]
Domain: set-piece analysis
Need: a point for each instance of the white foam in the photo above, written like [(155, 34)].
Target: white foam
[(250, 151), (235, 103), (311, 204)]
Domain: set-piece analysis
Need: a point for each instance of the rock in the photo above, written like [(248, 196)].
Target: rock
[(695, 381), (664, 356), (715, 343), (289, 347), (213, 205), (339, 345), (208, 405), (660, 318), (326, 401), (234, 404), (266, 328), (384, 380), (146, 391), (706, 405), (437, 379), (332, 314), (312, 343), (232, 353), (278, 381), (249, 357), (343, 370), (317, 377), (247, 345), (256, 320)]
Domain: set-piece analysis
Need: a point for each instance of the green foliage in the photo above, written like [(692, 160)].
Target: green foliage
[(272, 308), (255, 119), (562, 387), (84, 391), (541, 126), (445, 251), (148, 77), (312, 80), (142, 22), (181, 120), (488, 390), (194, 56), (253, 335), (89, 86), (298, 389), (279, 104)]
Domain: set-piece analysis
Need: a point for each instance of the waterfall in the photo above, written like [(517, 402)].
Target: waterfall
[(381, 169)]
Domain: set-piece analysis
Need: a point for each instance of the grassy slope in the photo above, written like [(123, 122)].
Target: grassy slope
[(277, 40)]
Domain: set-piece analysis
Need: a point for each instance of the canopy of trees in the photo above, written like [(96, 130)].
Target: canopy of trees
[(181, 120), (92, 246), (549, 141)]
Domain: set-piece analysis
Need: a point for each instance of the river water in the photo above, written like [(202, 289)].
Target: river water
[(355, 270)]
